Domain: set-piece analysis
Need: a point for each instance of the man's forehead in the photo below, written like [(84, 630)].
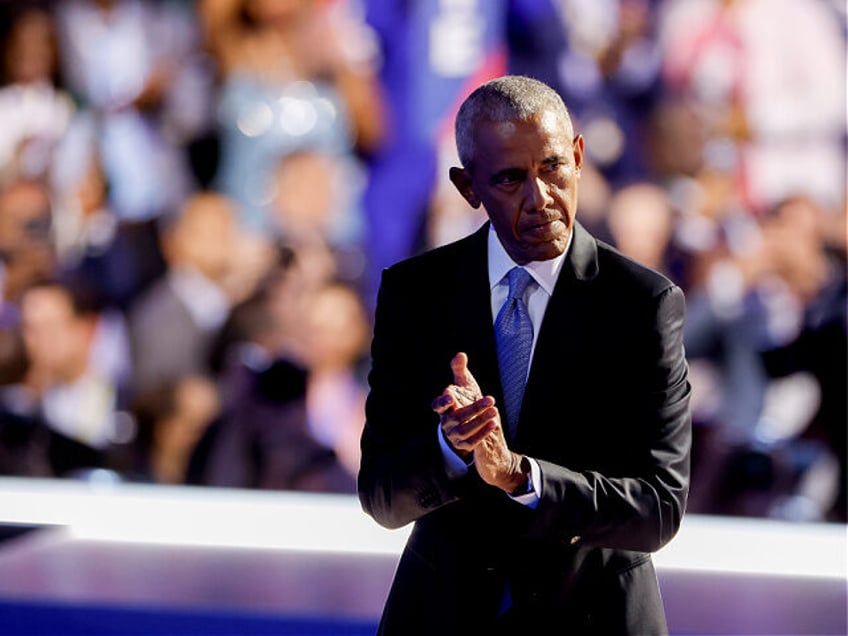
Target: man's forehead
[(553, 122), (548, 122), (506, 142), (505, 128)]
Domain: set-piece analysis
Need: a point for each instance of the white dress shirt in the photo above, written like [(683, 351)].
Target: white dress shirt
[(545, 274)]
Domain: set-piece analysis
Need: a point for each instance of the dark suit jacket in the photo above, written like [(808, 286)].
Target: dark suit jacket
[(167, 344), (605, 413)]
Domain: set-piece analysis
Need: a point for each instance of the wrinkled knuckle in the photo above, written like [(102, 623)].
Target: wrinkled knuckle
[(462, 444)]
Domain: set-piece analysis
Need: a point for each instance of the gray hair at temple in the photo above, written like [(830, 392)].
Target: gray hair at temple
[(511, 97)]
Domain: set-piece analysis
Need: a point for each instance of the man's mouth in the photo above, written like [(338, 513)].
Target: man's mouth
[(544, 227)]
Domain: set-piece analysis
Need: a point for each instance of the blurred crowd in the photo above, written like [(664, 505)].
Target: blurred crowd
[(197, 199)]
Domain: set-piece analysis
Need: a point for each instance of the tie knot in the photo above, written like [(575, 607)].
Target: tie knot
[(518, 278)]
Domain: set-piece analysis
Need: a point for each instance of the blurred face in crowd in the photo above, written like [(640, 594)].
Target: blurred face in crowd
[(204, 236), (56, 338), (525, 174), (305, 182), (793, 242), (25, 245), (336, 328), (30, 53), (24, 216), (641, 222)]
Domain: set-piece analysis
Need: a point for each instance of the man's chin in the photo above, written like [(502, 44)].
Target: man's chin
[(550, 243), (545, 251), (540, 243)]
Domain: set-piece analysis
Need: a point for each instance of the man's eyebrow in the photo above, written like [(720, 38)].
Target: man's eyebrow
[(553, 159)]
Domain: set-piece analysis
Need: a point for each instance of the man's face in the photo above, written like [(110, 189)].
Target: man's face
[(525, 174), (24, 217), (56, 339), (203, 238)]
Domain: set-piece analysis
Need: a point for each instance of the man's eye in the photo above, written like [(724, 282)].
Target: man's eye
[(507, 178)]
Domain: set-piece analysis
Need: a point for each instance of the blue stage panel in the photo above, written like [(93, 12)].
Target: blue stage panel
[(38, 619)]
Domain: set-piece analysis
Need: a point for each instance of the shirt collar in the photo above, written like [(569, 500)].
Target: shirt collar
[(205, 301), (545, 273)]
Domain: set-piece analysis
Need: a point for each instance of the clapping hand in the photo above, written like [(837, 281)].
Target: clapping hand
[(471, 423)]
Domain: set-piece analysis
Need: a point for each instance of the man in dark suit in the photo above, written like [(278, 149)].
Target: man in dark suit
[(537, 518)]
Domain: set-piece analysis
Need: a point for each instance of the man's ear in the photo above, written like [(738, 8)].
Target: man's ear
[(577, 145), (462, 181)]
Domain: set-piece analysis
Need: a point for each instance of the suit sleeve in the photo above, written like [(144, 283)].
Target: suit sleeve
[(641, 510), (402, 473)]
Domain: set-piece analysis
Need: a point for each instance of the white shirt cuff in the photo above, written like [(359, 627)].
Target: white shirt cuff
[(531, 499)]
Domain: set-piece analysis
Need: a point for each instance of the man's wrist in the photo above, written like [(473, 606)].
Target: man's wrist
[(521, 480)]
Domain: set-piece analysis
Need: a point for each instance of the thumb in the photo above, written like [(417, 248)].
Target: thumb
[(461, 373)]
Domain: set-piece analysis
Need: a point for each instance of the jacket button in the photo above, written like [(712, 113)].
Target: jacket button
[(427, 499)]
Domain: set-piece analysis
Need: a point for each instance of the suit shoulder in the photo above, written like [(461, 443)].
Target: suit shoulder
[(426, 264), (631, 274)]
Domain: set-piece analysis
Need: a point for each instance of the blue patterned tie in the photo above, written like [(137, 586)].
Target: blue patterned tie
[(514, 339)]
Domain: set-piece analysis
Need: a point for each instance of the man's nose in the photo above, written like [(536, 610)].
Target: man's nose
[(538, 196)]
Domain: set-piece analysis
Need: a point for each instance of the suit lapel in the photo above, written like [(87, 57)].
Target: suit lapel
[(474, 326), (559, 342)]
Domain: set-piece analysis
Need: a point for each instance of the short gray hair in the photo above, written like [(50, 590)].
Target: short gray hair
[(511, 97)]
